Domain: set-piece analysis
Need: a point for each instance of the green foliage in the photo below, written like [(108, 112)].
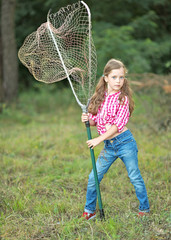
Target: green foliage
[(141, 55), (145, 26), (137, 32), (45, 165)]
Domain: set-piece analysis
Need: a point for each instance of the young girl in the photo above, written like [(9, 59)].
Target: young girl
[(109, 109)]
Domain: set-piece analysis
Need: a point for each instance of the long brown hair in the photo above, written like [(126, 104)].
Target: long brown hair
[(99, 95)]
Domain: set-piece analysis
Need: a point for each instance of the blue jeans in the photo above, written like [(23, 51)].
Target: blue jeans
[(123, 146)]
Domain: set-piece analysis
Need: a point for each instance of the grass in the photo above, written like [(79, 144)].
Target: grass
[(45, 165)]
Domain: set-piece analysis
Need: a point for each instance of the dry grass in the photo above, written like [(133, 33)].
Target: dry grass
[(45, 165)]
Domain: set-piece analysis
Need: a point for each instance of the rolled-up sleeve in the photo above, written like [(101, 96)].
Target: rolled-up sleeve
[(93, 117), (122, 115)]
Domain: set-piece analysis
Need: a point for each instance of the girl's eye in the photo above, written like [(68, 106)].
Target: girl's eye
[(121, 77), (114, 77)]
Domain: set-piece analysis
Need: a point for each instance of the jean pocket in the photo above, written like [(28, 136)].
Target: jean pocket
[(126, 140), (130, 143)]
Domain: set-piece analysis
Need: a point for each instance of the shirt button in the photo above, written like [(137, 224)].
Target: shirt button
[(111, 141)]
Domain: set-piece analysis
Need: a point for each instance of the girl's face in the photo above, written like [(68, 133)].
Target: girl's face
[(115, 80)]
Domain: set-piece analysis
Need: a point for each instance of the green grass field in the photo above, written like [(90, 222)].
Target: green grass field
[(45, 164)]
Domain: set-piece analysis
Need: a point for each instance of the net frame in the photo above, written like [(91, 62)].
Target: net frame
[(75, 66), (83, 107), (91, 85)]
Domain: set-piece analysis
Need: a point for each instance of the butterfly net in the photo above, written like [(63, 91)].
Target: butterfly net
[(63, 48)]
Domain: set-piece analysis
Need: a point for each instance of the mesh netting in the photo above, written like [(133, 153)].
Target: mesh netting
[(63, 48)]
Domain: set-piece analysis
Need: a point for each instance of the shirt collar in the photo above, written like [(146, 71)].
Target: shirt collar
[(112, 94)]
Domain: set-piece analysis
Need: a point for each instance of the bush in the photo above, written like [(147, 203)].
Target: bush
[(142, 55)]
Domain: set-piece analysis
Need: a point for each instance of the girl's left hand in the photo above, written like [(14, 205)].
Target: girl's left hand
[(93, 142)]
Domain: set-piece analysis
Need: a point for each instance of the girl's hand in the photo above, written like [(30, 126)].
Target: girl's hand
[(93, 142), (84, 117)]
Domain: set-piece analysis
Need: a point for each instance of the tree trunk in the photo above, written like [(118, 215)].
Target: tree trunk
[(1, 83), (9, 50)]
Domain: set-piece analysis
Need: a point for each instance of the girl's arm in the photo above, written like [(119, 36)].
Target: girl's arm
[(85, 118), (118, 124), (109, 133)]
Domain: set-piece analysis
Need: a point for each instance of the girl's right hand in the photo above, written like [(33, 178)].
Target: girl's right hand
[(84, 117)]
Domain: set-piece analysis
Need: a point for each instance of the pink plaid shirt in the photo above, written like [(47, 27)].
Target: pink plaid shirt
[(111, 112)]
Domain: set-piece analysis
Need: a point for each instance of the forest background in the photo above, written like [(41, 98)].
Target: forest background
[(138, 32)]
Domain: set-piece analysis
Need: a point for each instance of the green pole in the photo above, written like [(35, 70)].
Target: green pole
[(102, 217)]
